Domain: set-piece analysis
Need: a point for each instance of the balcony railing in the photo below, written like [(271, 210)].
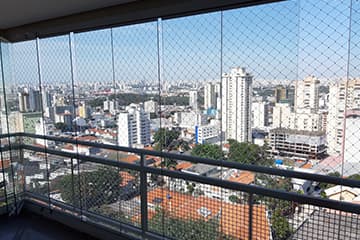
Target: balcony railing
[(151, 201)]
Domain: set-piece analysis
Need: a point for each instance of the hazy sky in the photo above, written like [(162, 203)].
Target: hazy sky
[(287, 40)]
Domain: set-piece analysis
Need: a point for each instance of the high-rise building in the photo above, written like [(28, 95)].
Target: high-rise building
[(43, 128), (193, 98), (19, 121), (281, 94), (35, 102), (284, 94), (30, 100), (207, 133), (23, 101), (83, 110), (303, 119), (300, 144), (47, 102), (351, 137), (260, 114), (212, 95), (151, 106), (111, 106), (12, 122), (190, 119), (236, 105), (57, 112), (47, 99), (133, 126), (343, 96), (281, 117), (307, 94)]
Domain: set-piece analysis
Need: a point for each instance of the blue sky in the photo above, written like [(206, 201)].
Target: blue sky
[(286, 40)]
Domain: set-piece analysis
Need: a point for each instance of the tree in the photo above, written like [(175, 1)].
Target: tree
[(168, 163), (176, 228), (280, 225), (164, 137), (354, 177), (190, 187), (208, 151), (234, 199), (93, 189), (179, 145), (249, 153), (324, 185), (61, 126), (280, 209)]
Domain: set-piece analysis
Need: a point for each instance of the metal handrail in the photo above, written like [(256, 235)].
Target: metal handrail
[(143, 169), (290, 196), (213, 162)]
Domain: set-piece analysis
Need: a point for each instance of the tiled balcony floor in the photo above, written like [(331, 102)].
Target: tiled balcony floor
[(28, 226)]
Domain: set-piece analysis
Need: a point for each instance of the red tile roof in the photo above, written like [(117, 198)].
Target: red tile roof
[(87, 138), (245, 177), (234, 218), (307, 166), (126, 178), (131, 158), (183, 165)]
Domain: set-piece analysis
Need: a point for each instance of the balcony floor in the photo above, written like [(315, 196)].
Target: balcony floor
[(28, 226)]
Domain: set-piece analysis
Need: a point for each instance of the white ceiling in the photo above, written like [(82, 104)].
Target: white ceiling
[(15, 13)]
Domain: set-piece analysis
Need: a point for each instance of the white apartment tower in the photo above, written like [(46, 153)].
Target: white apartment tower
[(212, 95), (259, 117), (193, 97), (307, 94), (305, 115), (343, 97), (352, 136), (133, 126), (236, 105), (302, 119)]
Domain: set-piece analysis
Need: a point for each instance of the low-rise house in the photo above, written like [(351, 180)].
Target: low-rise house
[(342, 193)]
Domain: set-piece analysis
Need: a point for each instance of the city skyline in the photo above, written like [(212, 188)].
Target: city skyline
[(180, 46)]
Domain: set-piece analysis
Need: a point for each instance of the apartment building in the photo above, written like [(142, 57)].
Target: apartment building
[(133, 126), (236, 104)]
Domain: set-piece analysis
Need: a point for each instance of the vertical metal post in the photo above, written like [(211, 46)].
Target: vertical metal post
[(250, 202), (8, 128), (4, 179), (38, 58), (73, 77), (21, 157), (143, 194), (73, 183), (3, 101)]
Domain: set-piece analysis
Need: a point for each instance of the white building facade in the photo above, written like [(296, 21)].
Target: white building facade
[(236, 105), (212, 95), (307, 94), (352, 137), (46, 129), (207, 133), (133, 126), (151, 106), (303, 119), (190, 119), (193, 100), (259, 114), (343, 96)]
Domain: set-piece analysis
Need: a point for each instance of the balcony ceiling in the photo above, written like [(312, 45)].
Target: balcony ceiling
[(27, 19), (21, 12)]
